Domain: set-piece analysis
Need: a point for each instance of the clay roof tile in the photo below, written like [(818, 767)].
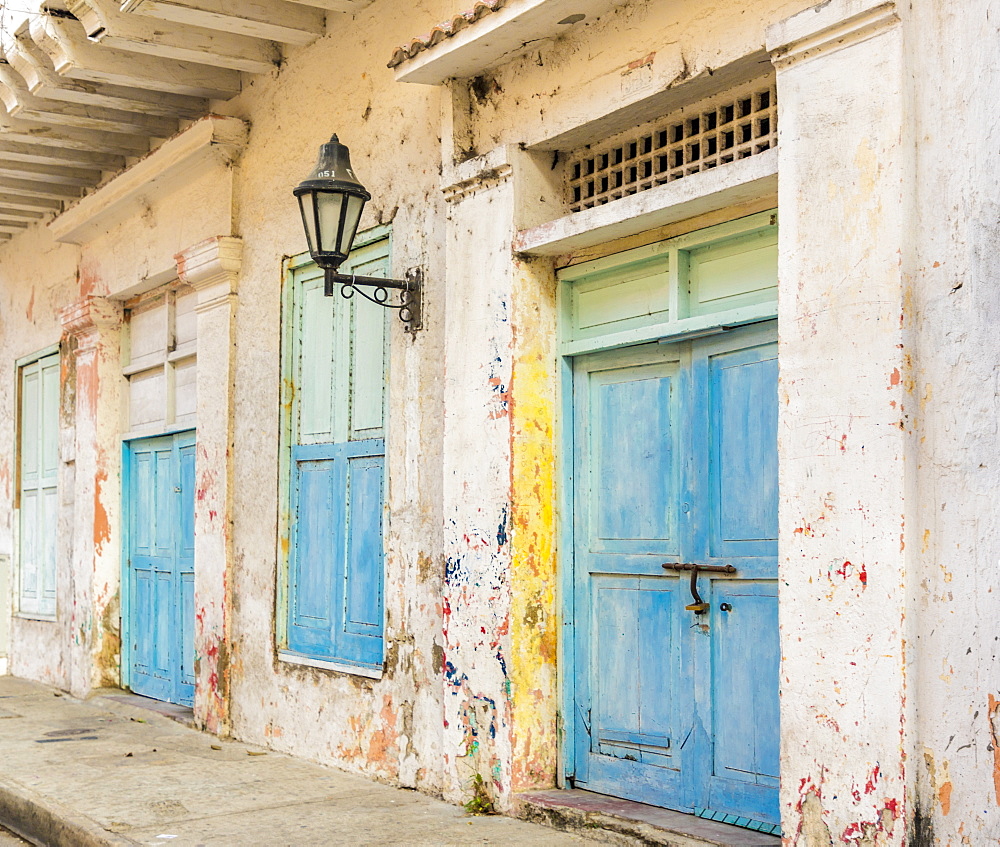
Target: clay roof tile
[(444, 30)]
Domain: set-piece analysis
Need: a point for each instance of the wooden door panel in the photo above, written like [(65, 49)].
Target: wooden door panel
[(317, 510), (745, 664), (363, 606), (743, 410), (160, 566), (676, 461), (635, 654)]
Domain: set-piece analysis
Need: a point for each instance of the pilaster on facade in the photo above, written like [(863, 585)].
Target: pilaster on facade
[(212, 268), (94, 324), (844, 422)]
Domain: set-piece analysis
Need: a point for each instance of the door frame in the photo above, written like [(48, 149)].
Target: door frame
[(675, 330), (125, 592)]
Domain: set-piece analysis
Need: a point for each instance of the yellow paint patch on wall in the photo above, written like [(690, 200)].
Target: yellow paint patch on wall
[(534, 611)]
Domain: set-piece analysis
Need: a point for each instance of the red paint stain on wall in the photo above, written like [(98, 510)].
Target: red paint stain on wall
[(88, 277), (994, 719), (30, 311), (102, 527), (944, 795), (894, 377)]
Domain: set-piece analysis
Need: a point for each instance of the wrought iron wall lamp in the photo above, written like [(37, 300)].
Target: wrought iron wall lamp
[(331, 200)]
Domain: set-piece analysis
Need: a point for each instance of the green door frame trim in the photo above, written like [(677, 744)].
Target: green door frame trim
[(292, 264), (674, 329)]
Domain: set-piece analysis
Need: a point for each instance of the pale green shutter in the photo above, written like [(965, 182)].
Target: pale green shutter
[(39, 454)]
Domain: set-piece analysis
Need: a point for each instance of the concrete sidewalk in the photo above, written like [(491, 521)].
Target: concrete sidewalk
[(102, 772)]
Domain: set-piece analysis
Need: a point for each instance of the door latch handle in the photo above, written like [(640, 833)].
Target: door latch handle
[(699, 606)]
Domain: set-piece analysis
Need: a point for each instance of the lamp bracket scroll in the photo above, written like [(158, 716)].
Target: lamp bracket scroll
[(408, 303)]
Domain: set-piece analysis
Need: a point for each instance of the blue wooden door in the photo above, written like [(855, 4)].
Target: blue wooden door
[(159, 510), (675, 462)]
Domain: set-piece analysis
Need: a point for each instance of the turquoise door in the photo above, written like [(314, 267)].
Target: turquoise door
[(159, 509), (675, 463)]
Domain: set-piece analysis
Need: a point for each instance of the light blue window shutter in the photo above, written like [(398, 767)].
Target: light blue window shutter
[(336, 561)]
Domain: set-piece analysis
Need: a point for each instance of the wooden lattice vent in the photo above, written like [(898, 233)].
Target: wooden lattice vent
[(710, 133)]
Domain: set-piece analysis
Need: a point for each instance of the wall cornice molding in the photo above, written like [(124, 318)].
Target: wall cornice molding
[(212, 267), (89, 318), (827, 27)]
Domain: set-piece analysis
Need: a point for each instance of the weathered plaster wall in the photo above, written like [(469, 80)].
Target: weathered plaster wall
[(50, 292), (951, 396), (843, 434), (615, 63), (389, 728), (143, 240), (37, 279)]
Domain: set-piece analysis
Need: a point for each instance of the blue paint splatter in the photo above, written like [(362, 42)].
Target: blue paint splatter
[(453, 568), (502, 528), (503, 664)]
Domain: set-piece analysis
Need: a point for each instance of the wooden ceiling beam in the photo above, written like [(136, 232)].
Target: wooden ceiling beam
[(277, 20), (39, 74), (7, 211), (74, 56), (335, 5), (105, 24), (23, 104), (49, 173), (13, 227), (32, 206), (30, 132), (44, 155), (45, 190)]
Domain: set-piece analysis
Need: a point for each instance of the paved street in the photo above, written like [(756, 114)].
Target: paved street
[(123, 775), (8, 839)]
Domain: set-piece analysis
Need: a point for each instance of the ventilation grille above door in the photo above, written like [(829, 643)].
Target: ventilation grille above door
[(712, 132)]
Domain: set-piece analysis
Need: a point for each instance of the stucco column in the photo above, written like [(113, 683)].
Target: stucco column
[(477, 477), (500, 620), (212, 268), (844, 432), (89, 599)]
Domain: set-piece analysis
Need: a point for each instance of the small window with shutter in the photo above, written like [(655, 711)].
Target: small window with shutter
[(37, 498), (330, 606)]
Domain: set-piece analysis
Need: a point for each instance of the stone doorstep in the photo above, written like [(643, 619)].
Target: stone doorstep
[(625, 822), (134, 705)]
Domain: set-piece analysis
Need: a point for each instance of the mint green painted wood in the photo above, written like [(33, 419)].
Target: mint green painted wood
[(623, 297), (39, 461), (724, 275), (315, 342), (368, 350), (736, 271)]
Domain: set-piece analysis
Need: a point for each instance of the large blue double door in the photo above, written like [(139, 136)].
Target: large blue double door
[(159, 507), (676, 682)]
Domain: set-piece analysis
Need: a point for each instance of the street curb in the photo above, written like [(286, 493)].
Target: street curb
[(47, 823)]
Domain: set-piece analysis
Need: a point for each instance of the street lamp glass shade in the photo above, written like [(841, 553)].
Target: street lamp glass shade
[(331, 200)]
